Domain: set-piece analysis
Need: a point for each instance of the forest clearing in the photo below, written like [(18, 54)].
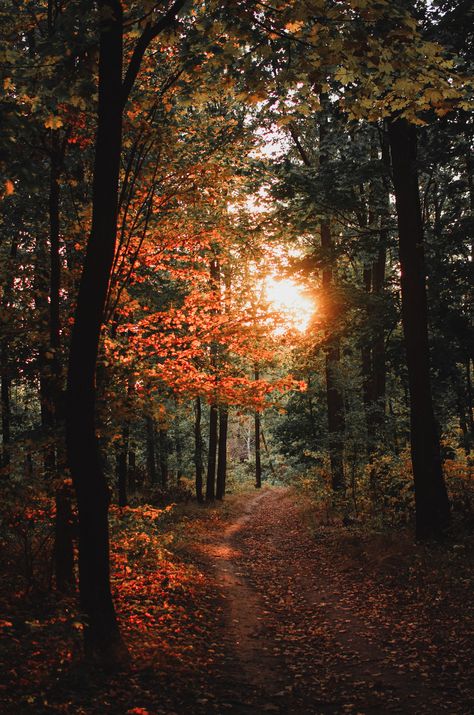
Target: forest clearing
[(236, 357)]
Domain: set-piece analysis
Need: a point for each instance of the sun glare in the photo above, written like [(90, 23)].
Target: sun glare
[(289, 298)]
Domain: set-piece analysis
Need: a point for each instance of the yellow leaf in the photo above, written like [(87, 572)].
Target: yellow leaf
[(7, 83), (9, 187), (294, 26), (53, 122), (344, 76)]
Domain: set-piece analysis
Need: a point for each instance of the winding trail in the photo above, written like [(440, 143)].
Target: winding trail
[(302, 634)]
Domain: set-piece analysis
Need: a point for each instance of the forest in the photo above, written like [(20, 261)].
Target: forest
[(236, 357)]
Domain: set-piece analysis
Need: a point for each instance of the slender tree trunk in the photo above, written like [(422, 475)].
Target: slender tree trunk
[(163, 453), (121, 467), (379, 368), (432, 506), (336, 416), (258, 462), (366, 358), (198, 461), (150, 450), (222, 452), (63, 532), (132, 467), (213, 410), (101, 632), (179, 453), (334, 396), (64, 538), (470, 410), (5, 368), (256, 425), (212, 454), (6, 410)]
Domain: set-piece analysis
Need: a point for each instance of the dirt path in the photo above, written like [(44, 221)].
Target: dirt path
[(304, 635)]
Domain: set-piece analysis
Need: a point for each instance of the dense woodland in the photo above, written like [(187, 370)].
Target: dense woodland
[(236, 249)]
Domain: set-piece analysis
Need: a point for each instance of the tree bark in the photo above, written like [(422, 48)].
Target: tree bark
[(212, 454), (432, 505), (121, 467), (150, 450), (63, 532), (222, 452), (198, 461), (213, 409), (258, 460), (163, 453), (5, 367), (330, 309), (101, 632)]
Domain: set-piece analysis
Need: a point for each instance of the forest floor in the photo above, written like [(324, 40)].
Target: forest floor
[(258, 606)]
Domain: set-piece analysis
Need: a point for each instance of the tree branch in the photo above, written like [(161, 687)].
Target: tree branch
[(148, 35)]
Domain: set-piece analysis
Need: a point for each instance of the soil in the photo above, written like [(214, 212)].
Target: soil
[(314, 629)]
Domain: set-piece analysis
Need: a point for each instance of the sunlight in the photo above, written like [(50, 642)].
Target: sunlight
[(290, 298)]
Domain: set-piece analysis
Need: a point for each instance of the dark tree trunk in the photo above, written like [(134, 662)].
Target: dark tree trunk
[(432, 506), (222, 453), (102, 636), (5, 367), (258, 461), (64, 539), (330, 310), (366, 357), (63, 532), (179, 453), (334, 397), (256, 424), (163, 454), (379, 368), (470, 411), (213, 410), (336, 416), (6, 410), (121, 467), (150, 450), (132, 468), (198, 461), (212, 454)]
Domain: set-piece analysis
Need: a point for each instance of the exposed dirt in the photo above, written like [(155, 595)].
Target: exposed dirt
[(313, 630)]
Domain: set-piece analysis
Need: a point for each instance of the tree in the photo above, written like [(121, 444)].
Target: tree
[(432, 506)]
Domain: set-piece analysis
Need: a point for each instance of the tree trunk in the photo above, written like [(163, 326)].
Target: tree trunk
[(336, 416), (64, 539), (212, 454), (150, 450), (101, 632), (222, 452), (432, 506), (132, 467), (258, 461), (256, 425), (178, 448), (198, 461), (63, 532), (213, 410), (121, 467), (330, 310), (5, 368), (163, 452)]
